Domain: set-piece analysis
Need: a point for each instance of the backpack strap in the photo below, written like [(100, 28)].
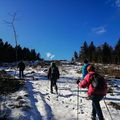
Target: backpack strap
[(90, 77)]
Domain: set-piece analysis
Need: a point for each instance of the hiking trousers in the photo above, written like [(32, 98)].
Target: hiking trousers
[(53, 84), (96, 109), (21, 74)]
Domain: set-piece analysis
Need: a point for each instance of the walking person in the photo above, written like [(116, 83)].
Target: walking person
[(53, 75), (21, 67), (84, 68), (95, 94)]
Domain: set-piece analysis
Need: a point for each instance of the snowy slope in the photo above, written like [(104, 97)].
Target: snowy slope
[(37, 103)]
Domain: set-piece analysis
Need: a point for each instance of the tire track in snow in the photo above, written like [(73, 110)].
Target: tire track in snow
[(42, 105), (35, 114)]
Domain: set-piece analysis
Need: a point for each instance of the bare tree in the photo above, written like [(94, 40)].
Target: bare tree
[(12, 24)]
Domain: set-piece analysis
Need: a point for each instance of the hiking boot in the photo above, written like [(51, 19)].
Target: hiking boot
[(52, 92), (56, 92)]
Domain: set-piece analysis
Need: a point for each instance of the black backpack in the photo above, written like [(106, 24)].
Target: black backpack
[(97, 81), (54, 73)]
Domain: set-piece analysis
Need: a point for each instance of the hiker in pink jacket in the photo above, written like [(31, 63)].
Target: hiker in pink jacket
[(94, 94)]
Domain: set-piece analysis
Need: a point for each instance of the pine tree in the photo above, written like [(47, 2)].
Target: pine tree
[(117, 52), (101, 54), (1, 50), (98, 54), (72, 59), (8, 53), (91, 52), (75, 56), (83, 52), (106, 53)]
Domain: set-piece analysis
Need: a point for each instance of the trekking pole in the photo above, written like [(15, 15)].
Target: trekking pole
[(15, 69), (78, 103), (108, 109)]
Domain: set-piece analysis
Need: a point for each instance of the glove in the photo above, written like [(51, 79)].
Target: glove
[(78, 81)]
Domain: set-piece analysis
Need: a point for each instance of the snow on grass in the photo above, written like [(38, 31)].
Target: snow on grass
[(35, 102)]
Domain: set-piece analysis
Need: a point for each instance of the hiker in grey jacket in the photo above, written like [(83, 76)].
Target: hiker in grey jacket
[(53, 75)]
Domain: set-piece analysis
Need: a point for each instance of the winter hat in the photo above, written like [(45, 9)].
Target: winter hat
[(90, 68)]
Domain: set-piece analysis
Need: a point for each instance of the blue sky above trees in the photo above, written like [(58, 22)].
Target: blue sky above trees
[(57, 28)]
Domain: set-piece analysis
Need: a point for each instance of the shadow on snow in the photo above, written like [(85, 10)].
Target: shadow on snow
[(36, 114)]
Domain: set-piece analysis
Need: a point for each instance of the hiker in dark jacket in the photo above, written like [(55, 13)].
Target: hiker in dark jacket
[(21, 67), (94, 94), (84, 68), (53, 75)]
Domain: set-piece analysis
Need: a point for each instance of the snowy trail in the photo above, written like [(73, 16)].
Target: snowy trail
[(42, 105), (49, 105), (64, 105), (52, 106)]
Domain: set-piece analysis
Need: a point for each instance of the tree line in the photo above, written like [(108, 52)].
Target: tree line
[(8, 53), (100, 54)]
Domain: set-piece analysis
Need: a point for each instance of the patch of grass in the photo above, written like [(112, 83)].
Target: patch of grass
[(8, 85), (3, 74), (110, 70), (115, 105), (79, 71), (64, 71)]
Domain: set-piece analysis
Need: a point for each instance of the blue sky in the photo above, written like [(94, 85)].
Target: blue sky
[(57, 28)]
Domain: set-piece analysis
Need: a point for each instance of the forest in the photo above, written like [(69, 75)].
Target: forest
[(8, 53), (104, 53)]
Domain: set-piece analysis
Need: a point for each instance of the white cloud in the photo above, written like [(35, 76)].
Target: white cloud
[(113, 3), (99, 30), (49, 55), (117, 3)]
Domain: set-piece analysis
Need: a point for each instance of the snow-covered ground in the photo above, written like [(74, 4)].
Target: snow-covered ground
[(35, 102)]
